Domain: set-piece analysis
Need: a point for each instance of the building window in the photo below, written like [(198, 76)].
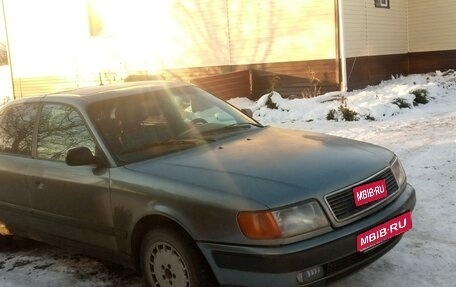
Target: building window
[(382, 3)]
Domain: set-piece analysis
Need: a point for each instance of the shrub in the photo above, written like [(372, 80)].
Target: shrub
[(271, 105), (401, 103), (348, 115), (370, 118), (332, 115), (421, 97), (343, 113)]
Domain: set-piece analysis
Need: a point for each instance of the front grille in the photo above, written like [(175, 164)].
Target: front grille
[(350, 260), (342, 203)]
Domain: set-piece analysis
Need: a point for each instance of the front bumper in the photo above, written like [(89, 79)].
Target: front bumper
[(334, 251)]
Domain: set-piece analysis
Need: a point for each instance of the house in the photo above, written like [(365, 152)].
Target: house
[(230, 47), (391, 37)]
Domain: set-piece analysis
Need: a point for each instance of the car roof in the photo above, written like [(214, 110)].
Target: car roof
[(87, 95), (121, 88)]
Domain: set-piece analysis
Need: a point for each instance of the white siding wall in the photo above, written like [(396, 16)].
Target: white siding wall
[(201, 33), (371, 31), (147, 35), (432, 25), (51, 37), (355, 24), (266, 31)]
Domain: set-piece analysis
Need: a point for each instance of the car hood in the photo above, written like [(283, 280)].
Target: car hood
[(272, 166)]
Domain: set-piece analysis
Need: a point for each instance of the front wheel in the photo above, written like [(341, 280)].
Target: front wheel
[(169, 258), (6, 237)]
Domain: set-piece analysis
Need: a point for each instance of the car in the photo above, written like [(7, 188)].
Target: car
[(166, 178)]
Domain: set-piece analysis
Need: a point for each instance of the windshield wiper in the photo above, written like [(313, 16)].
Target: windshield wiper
[(243, 125), (187, 139), (235, 126), (184, 141)]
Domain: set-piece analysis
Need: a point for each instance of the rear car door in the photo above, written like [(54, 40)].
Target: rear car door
[(71, 202), (17, 124)]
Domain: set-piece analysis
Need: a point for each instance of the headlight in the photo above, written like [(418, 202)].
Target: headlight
[(398, 172), (283, 223)]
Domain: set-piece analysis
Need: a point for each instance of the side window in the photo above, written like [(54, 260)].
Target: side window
[(16, 129), (61, 128)]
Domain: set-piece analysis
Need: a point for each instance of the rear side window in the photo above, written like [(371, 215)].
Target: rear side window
[(16, 129)]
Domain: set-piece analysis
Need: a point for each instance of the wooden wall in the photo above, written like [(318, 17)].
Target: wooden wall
[(364, 71), (302, 79), (228, 85), (423, 62)]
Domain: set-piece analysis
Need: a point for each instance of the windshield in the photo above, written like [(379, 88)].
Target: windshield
[(158, 122)]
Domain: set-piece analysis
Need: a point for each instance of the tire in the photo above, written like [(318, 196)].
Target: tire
[(6, 237), (170, 258), (6, 240)]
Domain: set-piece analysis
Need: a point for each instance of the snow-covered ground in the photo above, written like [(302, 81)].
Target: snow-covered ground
[(424, 138)]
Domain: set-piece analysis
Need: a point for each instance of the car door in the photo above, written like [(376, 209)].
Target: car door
[(71, 202), (17, 124)]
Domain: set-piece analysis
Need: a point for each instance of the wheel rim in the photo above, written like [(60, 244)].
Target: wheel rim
[(167, 266)]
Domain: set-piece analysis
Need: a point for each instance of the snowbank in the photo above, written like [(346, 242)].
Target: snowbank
[(372, 103)]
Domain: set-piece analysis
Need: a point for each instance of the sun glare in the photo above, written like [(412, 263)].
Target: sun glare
[(142, 31), (133, 35), (82, 39)]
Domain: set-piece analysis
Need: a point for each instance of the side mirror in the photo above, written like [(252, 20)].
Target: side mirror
[(80, 156)]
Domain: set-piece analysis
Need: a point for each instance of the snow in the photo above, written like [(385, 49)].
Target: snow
[(374, 101), (422, 136), (24, 261)]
